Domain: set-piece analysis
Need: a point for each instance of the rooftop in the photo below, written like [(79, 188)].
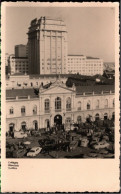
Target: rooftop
[(12, 93), (94, 88), (88, 57), (33, 93), (20, 57), (75, 55)]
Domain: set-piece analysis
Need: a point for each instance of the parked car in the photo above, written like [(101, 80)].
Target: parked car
[(9, 153), (19, 134), (73, 145), (19, 153), (84, 142), (34, 151), (74, 126), (101, 144)]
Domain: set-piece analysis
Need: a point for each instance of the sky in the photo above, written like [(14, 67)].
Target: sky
[(91, 30)]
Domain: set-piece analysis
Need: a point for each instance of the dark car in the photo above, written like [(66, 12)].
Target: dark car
[(19, 153)]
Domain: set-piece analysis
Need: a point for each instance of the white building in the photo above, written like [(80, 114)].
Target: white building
[(29, 108), (47, 46), (84, 65), (18, 65)]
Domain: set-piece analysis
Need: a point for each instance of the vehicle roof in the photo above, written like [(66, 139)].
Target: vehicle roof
[(34, 148)]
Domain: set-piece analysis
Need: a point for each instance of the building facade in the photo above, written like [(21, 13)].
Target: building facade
[(29, 81), (18, 65), (32, 109), (47, 46), (84, 65)]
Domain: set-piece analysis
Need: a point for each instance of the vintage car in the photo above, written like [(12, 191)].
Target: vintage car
[(20, 134), (34, 151), (101, 144), (73, 145), (84, 142), (19, 153)]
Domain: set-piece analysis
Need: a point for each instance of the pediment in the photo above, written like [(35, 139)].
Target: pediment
[(57, 90)]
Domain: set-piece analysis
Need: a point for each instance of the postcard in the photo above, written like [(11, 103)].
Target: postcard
[(60, 97)]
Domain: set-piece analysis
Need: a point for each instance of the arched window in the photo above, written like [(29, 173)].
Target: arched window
[(97, 104), (88, 105), (106, 103), (79, 105), (47, 105), (35, 125), (68, 104), (35, 110), (11, 111), (79, 119), (58, 104), (97, 117), (23, 111), (113, 102)]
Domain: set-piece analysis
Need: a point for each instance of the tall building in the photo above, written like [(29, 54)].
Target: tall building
[(84, 65), (47, 46), (20, 50)]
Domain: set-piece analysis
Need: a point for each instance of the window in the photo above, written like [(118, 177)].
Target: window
[(47, 105), (68, 104), (58, 104), (11, 110), (23, 110), (35, 110), (106, 103), (79, 105), (88, 105)]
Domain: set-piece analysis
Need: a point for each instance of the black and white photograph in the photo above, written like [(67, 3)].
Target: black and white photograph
[(60, 82), (60, 97)]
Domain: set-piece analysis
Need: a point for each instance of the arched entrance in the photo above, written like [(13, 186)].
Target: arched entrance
[(105, 116), (11, 127), (88, 118), (113, 116), (97, 117), (23, 126), (35, 124), (58, 120)]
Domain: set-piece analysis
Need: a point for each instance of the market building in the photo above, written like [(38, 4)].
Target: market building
[(39, 108)]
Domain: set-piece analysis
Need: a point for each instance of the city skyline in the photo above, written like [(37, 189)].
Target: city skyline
[(95, 31)]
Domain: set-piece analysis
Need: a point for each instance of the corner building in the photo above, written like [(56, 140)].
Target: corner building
[(47, 46), (27, 109)]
